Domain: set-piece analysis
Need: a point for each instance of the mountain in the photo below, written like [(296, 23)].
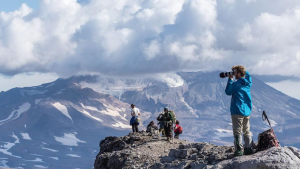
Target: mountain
[(56, 123), (203, 108), (59, 124)]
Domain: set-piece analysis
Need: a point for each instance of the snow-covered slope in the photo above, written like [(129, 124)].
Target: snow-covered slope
[(60, 128)]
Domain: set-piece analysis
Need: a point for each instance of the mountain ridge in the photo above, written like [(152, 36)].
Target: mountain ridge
[(83, 110)]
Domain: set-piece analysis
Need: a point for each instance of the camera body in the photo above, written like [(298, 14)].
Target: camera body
[(226, 74)]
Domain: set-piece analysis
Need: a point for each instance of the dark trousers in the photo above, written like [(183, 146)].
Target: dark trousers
[(135, 127), (176, 135), (169, 130)]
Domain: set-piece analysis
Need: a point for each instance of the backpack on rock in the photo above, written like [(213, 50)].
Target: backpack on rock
[(267, 139)]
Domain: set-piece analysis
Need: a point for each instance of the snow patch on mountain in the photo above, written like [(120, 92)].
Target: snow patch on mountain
[(37, 101), (191, 110), (273, 123), (291, 113), (63, 109), (59, 92), (73, 155), (40, 166), (25, 136), (220, 133), (113, 111), (16, 113), (55, 158), (36, 160), (90, 108), (49, 149), (122, 125), (89, 115), (5, 148), (3, 164), (69, 139), (110, 110), (49, 85), (33, 92)]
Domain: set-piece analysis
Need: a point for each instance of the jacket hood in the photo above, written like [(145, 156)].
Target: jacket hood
[(244, 81)]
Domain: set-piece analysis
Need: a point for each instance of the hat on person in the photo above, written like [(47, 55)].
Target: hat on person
[(166, 108), (132, 105)]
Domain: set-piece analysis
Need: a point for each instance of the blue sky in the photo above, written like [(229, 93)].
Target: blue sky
[(61, 38), (11, 5)]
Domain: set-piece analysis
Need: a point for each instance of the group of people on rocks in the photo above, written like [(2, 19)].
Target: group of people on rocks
[(240, 108), (165, 120)]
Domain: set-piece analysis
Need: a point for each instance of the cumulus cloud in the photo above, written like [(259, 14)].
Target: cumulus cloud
[(171, 79), (274, 41), (125, 37)]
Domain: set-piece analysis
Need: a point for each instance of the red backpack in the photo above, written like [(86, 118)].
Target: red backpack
[(178, 129)]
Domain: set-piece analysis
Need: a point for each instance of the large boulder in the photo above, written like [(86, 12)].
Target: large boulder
[(146, 151), (273, 158)]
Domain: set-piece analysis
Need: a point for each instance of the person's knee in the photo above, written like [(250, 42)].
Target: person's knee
[(237, 131), (247, 131), (248, 134)]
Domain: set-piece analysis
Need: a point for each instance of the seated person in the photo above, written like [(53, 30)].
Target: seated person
[(151, 127)]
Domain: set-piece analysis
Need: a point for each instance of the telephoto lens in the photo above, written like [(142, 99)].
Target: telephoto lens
[(225, 74)]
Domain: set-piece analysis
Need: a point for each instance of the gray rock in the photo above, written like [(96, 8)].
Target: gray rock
[(193, 157), (272, 158), (167, 159), (295, 151), (151, 154)]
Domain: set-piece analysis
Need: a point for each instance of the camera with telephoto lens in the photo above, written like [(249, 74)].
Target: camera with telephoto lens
[(226, 74)]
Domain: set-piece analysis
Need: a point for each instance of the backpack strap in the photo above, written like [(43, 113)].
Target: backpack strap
[(265, 117), (171, 116)]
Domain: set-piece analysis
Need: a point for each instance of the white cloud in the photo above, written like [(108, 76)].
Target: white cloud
[(152, 49), (171, 79), (273, 41), (125, 37)]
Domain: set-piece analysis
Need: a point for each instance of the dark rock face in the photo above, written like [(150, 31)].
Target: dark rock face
[(146, 151), (110, 144)]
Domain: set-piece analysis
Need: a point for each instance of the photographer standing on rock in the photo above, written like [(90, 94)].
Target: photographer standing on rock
[(240, 108)]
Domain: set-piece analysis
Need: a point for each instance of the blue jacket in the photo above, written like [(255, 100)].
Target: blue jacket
[(133, 120), (241, 102)]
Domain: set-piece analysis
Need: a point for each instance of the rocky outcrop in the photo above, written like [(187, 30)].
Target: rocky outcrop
[(147, 151)]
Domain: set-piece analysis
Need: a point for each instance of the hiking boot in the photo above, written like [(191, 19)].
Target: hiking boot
[(248, 151), (238, 153)]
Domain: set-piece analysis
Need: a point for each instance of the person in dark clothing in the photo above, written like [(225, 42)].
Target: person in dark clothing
[(161, 124), (166, 118), (135, 127), (151, 127)]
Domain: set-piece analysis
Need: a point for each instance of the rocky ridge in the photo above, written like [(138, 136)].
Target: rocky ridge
[(144, 150)]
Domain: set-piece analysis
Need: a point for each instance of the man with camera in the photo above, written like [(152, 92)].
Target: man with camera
[(240, 108)]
